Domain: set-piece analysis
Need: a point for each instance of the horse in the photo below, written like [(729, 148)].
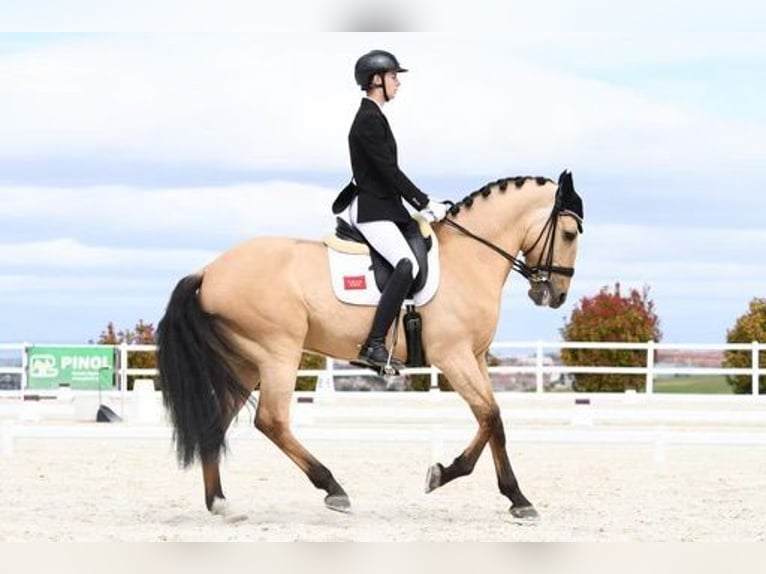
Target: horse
[(241, 324)]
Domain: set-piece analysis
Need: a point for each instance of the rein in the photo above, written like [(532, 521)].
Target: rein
[(537, 274)]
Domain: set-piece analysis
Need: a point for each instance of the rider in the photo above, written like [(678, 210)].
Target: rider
[(377, 210)]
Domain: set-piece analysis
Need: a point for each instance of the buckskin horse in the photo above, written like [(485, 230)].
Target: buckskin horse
[(241, 324)]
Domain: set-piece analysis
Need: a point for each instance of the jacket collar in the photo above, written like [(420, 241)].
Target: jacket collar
[(367, 101)]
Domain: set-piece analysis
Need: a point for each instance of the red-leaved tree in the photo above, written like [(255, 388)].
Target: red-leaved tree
[(142, 334), (613, 317)]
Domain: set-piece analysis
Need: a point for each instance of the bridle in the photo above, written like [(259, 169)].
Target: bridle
[(541, 272)]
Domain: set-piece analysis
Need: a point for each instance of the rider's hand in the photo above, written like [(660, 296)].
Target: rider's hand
[(435, 211)]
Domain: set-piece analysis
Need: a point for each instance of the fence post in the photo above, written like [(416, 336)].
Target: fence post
[(123, 376), (434, 378), (24, 366), (124, 366), (539, 367), (755, 367), (330, 367), (650, 368), (326, 381)]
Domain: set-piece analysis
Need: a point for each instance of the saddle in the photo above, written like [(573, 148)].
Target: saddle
[(417, 233), (354, 265)]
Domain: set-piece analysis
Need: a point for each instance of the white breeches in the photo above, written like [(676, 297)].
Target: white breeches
[(386, 238)]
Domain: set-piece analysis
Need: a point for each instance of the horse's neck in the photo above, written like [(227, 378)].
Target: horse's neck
[(501, 219)]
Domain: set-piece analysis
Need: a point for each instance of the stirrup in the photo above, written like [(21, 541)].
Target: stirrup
[(389, 370), (392, 366)]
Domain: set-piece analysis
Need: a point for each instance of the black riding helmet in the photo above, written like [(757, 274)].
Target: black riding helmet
[(375, 62)]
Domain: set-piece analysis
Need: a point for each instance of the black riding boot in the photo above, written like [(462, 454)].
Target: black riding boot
[(374, 352)]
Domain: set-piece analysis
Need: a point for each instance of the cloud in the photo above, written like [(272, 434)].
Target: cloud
[(68, 254), (546, 86), (546, 21), (209, 216), (472, 104), (125, 226), (125, 259), (701, 265), (628, 243)]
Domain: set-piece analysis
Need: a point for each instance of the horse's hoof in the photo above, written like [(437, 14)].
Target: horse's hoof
[(222, 508), (434, 477), (526, 514), (338, 502)]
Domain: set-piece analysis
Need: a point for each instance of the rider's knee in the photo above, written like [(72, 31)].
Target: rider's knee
[(407, 266)]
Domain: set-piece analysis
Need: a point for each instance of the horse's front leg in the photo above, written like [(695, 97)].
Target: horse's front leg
[(272, 418), (464, 374), (469, 376), (463, 465), (506, 479)]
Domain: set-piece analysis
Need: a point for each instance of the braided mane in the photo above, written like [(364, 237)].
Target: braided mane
[(501, 185)]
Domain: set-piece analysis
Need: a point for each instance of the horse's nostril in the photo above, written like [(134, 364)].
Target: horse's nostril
[(562, 298)]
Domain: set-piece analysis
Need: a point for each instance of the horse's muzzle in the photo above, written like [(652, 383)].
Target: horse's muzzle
[(542, 295)]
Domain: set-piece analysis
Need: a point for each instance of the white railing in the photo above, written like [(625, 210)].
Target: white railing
[(538, 366), (21, 368)]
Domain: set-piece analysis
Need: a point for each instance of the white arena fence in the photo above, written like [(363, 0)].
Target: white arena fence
[(534, 364), (541, 416)]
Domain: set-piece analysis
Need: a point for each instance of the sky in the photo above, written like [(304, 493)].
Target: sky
[(130, 159)]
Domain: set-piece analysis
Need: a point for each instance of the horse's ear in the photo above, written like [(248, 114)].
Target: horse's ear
[(566, 186), (567, 198)]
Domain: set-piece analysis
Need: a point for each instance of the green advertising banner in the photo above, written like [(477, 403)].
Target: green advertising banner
[(83, 368)]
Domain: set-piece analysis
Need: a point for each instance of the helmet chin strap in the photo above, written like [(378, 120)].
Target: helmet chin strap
[(385, 92)]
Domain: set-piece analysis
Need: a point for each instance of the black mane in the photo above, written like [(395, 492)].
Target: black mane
[(501, 184)]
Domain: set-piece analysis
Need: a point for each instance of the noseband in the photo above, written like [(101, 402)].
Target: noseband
[(539, 273)]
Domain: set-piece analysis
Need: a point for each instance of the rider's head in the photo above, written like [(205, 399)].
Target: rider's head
[(377, 70)]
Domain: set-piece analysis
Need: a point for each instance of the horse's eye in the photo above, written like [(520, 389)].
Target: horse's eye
[(570, 236)]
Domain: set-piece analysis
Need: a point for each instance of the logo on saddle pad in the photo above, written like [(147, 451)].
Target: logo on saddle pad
[(354, 282), (353, 274)]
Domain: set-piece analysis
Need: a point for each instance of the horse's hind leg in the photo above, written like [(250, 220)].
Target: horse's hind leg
[(214, 498), (211, 474), (272, 418)]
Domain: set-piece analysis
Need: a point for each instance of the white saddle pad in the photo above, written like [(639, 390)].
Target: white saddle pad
[(353, 279)]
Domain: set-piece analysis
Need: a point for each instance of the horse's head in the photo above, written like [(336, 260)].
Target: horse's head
[(550, 245)]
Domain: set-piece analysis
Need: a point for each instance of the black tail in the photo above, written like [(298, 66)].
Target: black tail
[(199, 385)]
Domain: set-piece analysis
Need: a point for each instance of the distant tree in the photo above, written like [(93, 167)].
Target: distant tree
[(309, 361), (108, 336), (142, 334), (748, 328), (423, 382), (610, 317)]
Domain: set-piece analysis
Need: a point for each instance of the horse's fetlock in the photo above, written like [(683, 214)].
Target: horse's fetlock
[(461, 465), (321, 477), (509, 488)]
